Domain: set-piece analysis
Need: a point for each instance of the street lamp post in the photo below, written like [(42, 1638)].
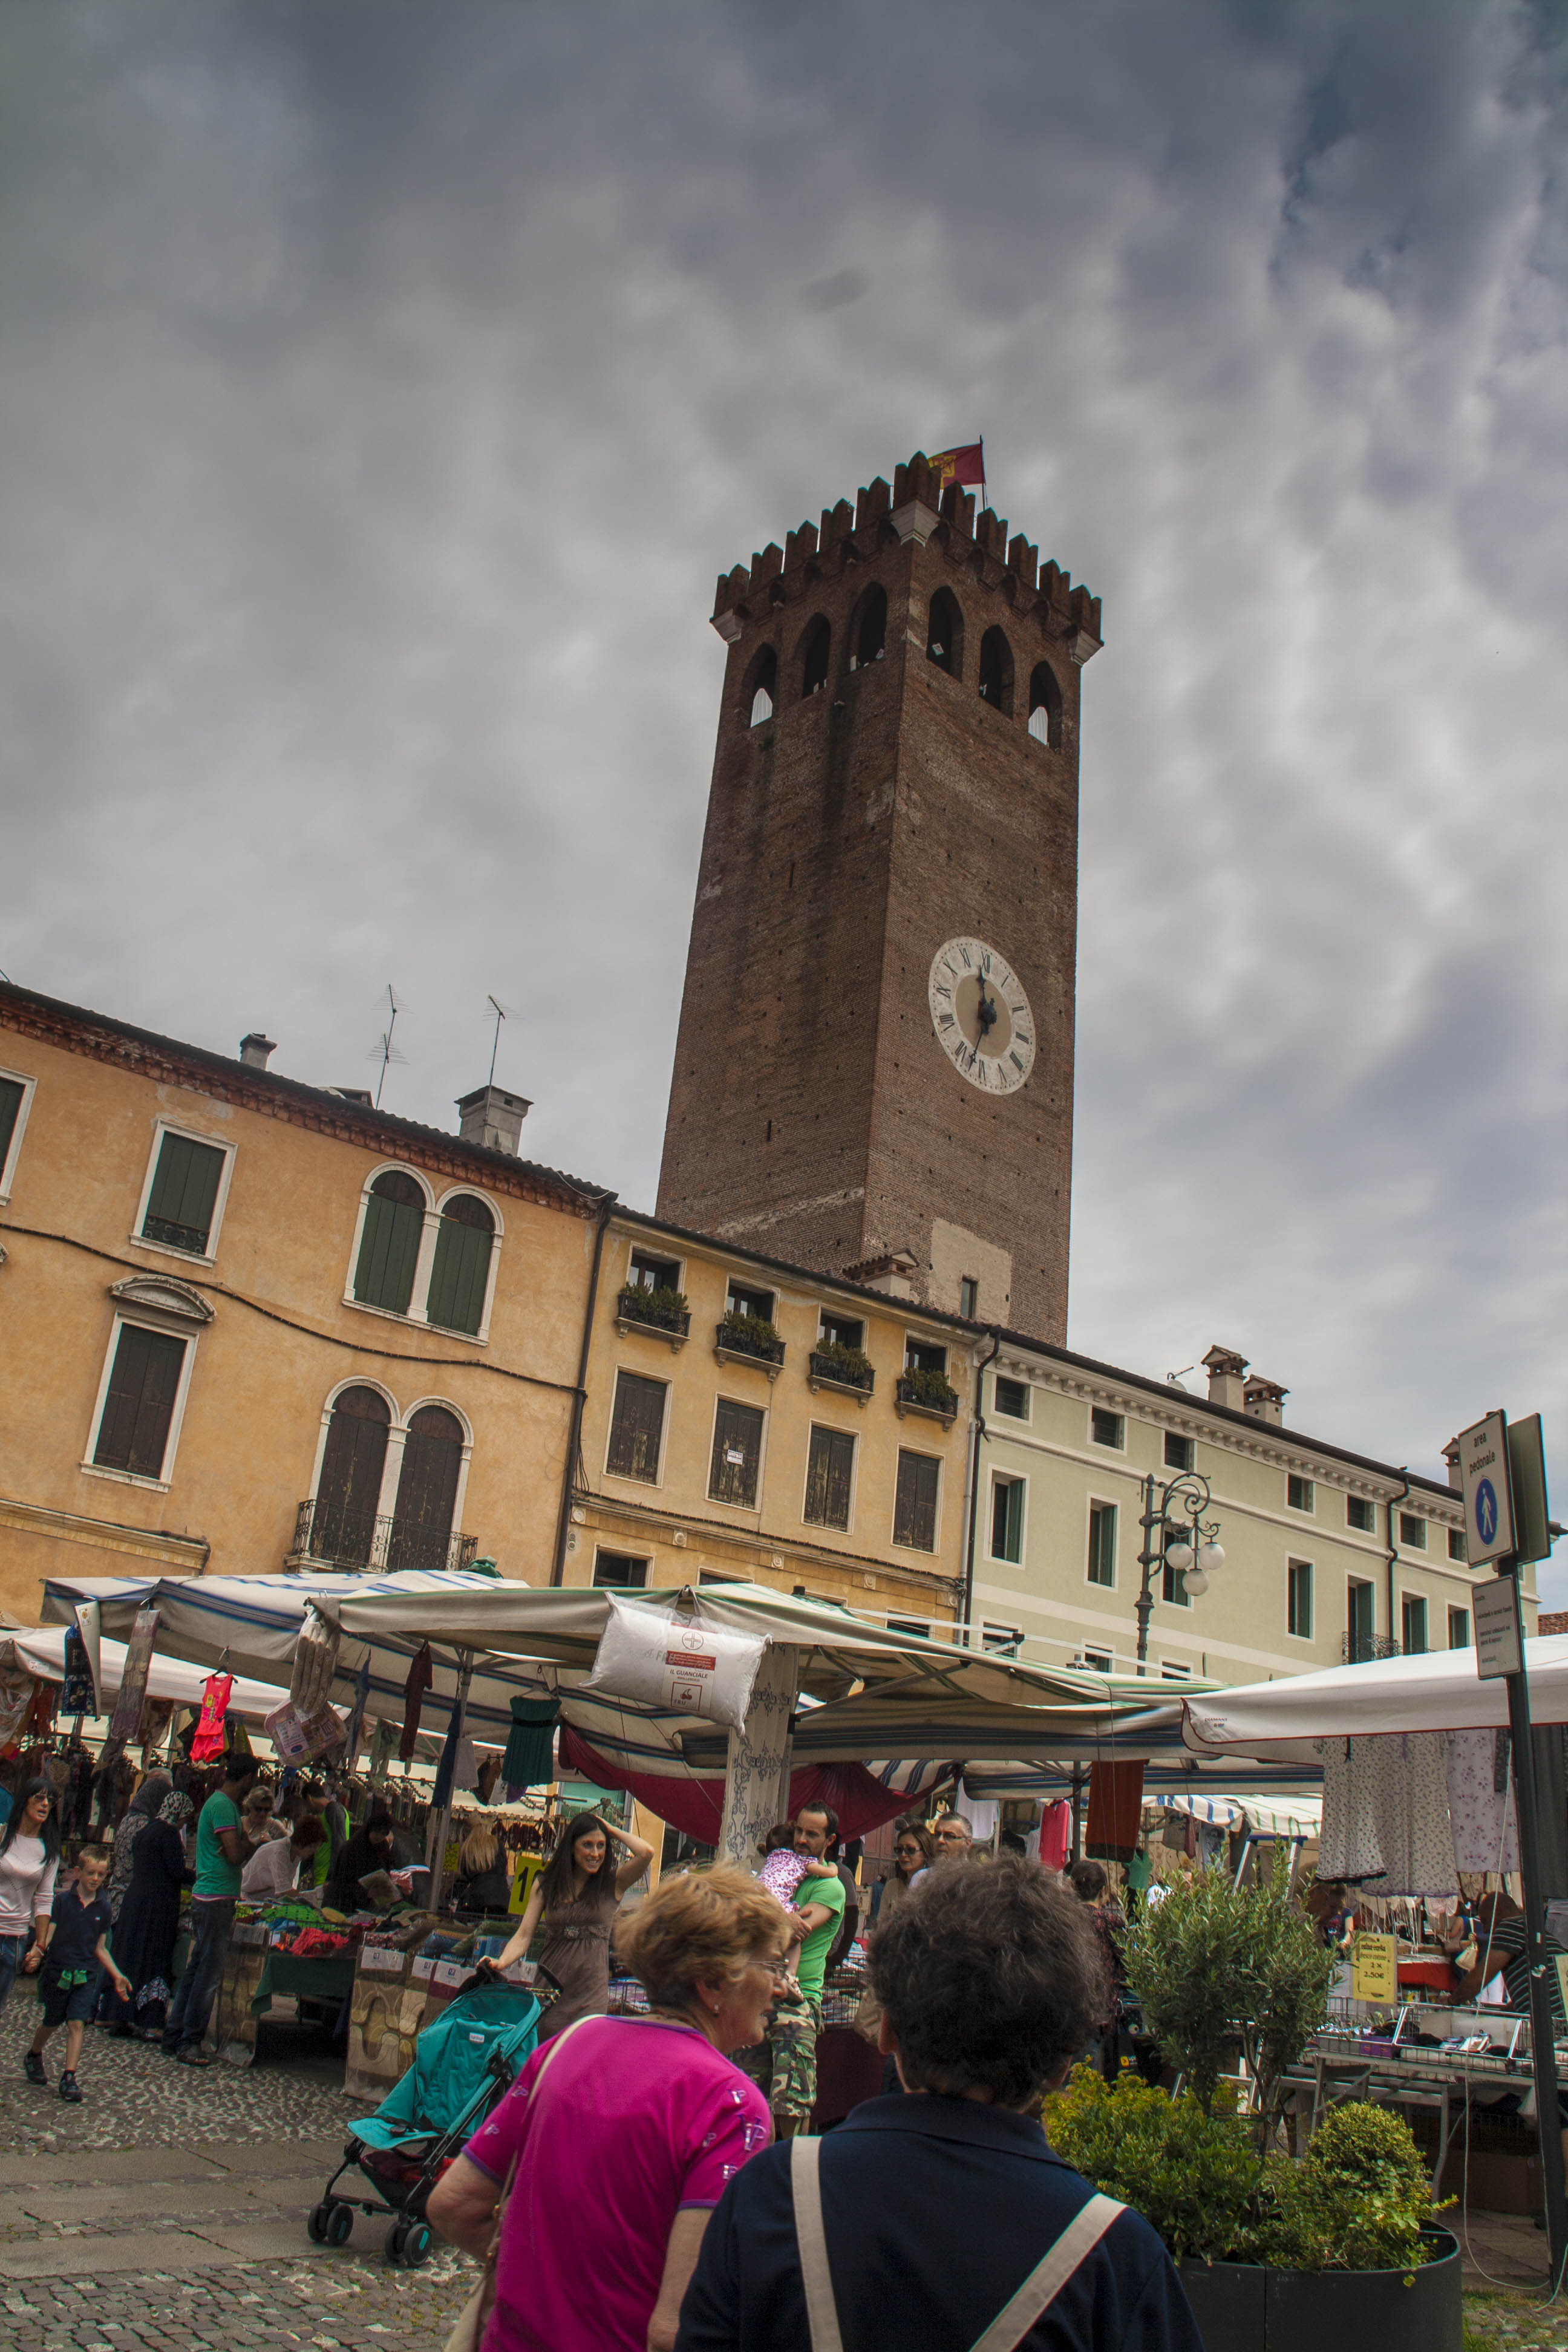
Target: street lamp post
[(1174, 1508)]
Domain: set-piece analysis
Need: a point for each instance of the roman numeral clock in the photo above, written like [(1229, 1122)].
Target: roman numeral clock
[(981, 1015)]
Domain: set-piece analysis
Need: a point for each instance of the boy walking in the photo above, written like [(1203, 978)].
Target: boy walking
[(79, 1928)]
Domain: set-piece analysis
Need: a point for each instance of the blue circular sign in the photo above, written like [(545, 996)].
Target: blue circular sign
[(1486, 1510)]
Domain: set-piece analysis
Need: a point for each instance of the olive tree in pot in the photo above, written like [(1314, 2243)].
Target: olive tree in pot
[(1277, 2254)]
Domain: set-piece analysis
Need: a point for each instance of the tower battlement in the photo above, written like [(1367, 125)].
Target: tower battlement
[(912, 508)]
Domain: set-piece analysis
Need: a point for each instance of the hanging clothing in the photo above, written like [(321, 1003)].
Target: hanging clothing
[(1348, 1850), (1480, 1801), (441, 1794), (208, 1741), (1385, 1814), (530, 1756), (1055, 1834), (1115, 1811), (79, 1694), (421, 1674)]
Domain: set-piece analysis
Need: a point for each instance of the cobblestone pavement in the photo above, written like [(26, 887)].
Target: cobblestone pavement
[(168, 2209)]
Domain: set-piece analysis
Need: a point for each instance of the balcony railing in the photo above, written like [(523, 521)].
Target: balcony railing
[(829, 1371), (335, 1538), (1361, 1649), (754, 1342), (663, 1313), (927, 1392)]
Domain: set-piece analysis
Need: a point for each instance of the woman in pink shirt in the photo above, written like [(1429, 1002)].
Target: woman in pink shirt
[(642, 2118)]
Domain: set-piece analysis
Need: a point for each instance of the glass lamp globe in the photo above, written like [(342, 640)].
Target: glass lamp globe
[(1195, 1584), (1180, 1556), (1211, 1557)]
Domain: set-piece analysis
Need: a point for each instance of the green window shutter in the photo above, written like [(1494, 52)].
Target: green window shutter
[(184, 1190), (388, 1253), (133, 1433), (10, 1109), (1016, 1520), (458, 1279)]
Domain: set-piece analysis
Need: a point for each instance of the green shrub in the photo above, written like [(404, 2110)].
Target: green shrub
[(664, 1309), (849, 1363), (1356, 2202), (752, 1333), (1192, 2174), (927, 1387)]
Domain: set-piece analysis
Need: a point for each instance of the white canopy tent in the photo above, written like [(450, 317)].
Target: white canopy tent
[(1438, 1692), (40, 1650)]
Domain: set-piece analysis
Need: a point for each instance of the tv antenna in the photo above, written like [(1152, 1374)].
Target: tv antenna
[(502, 1013), (384, 1051)]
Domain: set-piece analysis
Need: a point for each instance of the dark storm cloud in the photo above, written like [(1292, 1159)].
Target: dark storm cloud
[(384, 389)]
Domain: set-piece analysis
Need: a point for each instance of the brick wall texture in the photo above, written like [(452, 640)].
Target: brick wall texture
[(813, 1114)]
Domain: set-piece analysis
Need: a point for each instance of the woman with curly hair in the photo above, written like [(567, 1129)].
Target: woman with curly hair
[(643, 2119)]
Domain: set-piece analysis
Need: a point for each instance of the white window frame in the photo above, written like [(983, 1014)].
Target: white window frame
[(748, 1510), (1092, 1659), (1104, 1503), (600, 1550), (167, 1327), (921, 1340), (641, 1485), (639, 1249), (919, 1551), (1309, 1509), (1007, 1478), (397, 1438), (1366, 1502), (162, 1127), (415, 1311), (1175, 1670), (1186, 1469), (1351, 1580), (8, 1167), (1011, 1647), (1290, 1566), (761, 1289), (341, 1388), (1424, 1599), (1024, 1420), (1454, 1611), (837, 1430), (454, 1192), (1413, 1543), (1118, 1416), (909, 1625)]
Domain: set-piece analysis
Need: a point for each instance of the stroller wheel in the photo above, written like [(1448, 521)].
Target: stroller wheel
[(416, 2245), (316, 2227), (394, 2247), (340, 2225)]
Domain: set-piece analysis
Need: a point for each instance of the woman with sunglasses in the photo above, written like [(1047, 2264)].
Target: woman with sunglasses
[(29, 1859), (914, 1849)]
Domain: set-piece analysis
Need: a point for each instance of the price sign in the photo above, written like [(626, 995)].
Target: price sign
[(1500, 1647), (1375, 1968)]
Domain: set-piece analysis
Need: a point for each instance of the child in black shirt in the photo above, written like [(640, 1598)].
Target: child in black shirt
[(76, 1949)]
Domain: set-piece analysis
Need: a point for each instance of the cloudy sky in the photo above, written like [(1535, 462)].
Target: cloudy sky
[(382, 388)]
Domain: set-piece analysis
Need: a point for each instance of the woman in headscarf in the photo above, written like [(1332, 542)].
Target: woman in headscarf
[(149, 1920), (142, 1809)]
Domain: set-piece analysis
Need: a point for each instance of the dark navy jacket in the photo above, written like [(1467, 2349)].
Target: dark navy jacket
[(935, 2213)]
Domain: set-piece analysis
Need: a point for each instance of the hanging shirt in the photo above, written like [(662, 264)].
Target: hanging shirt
[(1480, 1801), (209, 1740), (421, 1674)]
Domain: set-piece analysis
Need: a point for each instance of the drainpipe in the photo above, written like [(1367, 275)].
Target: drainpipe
[(1395, 1501), (574, 1438), (974, 1488)]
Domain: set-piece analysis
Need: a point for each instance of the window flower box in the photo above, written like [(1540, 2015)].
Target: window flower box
[(929, 1393), (845, 1368), (749, 1340), (660, 1314)]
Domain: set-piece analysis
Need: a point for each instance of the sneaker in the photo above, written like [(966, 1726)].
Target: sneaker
[(70, 2089), (33, 2067)]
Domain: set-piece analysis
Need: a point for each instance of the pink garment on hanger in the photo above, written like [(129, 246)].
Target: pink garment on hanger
[(1055, 1834), (209, 1739)]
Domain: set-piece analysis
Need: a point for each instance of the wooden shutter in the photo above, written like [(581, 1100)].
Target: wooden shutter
[(737, 1453), (1103, 1543), (637, 1427), (347, 1493), (389, 1245), (427, 1490), (829, 1472), (133, 1433), (460, 1274), (184, 1188), (914, 1511), (10, 1106)]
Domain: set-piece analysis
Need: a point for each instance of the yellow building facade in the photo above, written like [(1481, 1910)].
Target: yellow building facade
[(247, 1323), (745, 1420)]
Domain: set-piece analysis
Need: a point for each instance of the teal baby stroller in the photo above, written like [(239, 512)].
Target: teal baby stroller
[(464, 2061)]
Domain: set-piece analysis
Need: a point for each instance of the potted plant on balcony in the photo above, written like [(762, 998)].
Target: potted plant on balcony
[(663, 1309), (845, 1367), (742, 1334), (929, 1390), (1278, 2255)]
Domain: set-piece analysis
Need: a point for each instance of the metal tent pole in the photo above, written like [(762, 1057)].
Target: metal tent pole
[(435, 1846), (1542, 2030)]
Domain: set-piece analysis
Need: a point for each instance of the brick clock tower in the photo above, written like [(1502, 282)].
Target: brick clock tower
[(874, 1071)]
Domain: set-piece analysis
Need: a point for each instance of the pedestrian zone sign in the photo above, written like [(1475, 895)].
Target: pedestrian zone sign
[(1489, 1506)]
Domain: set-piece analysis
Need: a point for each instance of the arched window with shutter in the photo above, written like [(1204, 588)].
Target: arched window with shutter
[(459, 1278), (996, 671), (1044, 706), (427, 1490), (348, 1490), (944, 633), (389, 1241), (761, 687), (870, 628)]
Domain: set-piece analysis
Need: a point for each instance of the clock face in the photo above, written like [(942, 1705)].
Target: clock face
[(981, 1016)]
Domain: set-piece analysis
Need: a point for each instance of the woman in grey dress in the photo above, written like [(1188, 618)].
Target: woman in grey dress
[(574, 1902)]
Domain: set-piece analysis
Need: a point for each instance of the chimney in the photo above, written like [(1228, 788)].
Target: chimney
[(1265, 1400), (492, 1117), (894, 1274), (256, 1050), (1228, 1378), (1456, 1476), (354, 1094)]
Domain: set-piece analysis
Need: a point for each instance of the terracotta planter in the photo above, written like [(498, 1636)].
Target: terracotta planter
[(1244, 2307)]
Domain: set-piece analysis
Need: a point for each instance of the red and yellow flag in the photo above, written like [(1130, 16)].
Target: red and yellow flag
[(965, 465)]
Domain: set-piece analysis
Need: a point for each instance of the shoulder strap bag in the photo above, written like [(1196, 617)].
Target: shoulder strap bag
[(468, 2332), (1011, 2324)]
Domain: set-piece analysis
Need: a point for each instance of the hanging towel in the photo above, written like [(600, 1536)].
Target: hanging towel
[(209, 1736), (1480, 1801), (1410, 1812), (1115, 1811), (421, 1673), (134, 1676), (530, 1756)]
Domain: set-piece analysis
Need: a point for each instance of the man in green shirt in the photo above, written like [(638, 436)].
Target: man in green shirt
[(785, 2064), (221, 1852)]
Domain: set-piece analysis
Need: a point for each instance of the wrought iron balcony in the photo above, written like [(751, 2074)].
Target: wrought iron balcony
[(927, 1392), (749, 1340), (1361, 1649), (663, 1314), (833, 1371), (331, 1537)]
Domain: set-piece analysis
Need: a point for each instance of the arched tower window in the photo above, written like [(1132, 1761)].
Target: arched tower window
[(461, 1275), (348, 1492), (389, 1245), (427, 1490), (871, 636), (764, 687), (944, 633), (813, 659), (1045, 705), (997, 670)]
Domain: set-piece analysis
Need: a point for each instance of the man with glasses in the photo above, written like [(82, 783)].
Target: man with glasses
[(785, 2065), (954, 1838)]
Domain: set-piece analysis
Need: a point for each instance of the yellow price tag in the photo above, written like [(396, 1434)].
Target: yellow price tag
[(1375, 1968)]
